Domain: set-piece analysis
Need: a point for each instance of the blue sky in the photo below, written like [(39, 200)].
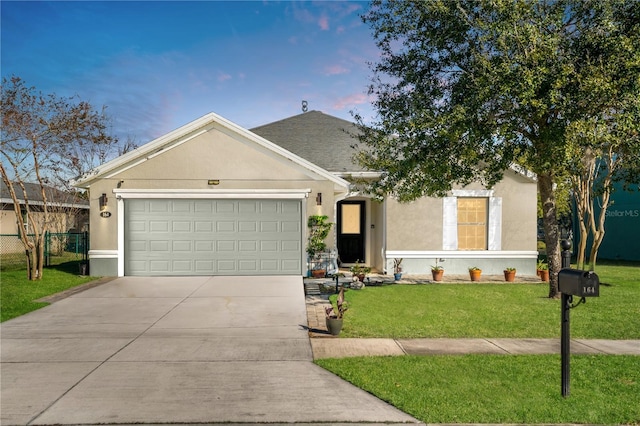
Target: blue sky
[(158, 65)]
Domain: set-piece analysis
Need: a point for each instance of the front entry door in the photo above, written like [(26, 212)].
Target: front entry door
[(351, 221)]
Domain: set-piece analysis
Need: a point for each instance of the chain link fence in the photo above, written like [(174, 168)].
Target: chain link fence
[(58, 246)]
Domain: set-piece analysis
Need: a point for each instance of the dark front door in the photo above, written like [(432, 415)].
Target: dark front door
[(351, 221)]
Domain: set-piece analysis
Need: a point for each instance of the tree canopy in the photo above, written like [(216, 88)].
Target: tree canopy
[(45, 140), (466, 88)]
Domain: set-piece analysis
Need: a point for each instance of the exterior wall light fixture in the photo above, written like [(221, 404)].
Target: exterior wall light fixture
[(319, 199), (103, 202)]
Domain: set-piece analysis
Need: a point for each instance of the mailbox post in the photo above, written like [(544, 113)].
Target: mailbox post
[(572, 282)]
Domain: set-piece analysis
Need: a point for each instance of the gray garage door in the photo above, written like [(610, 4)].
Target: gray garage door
[(213, 237)]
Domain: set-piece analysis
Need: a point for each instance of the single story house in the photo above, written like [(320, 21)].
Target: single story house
[(213, 198)]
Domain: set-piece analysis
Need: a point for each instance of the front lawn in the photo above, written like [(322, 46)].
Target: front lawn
[(500, 388), (18, 294), (605, 389), (494, 310)]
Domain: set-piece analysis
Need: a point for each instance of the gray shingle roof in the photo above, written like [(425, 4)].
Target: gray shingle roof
[(54, 196), (322, 139)]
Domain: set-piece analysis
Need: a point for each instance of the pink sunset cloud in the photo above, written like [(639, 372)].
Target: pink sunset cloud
[(335, 70), (223, 77), (350, 100), (323, 23)]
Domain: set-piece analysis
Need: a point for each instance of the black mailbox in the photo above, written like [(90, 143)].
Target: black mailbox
[(578, 283)]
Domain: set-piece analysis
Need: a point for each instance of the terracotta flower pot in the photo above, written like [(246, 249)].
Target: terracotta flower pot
[(437, 274), (509, 276), (544, 274), (475, 274), (318, 273)]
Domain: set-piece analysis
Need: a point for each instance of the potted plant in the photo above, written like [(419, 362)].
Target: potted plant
[(542, 270), (359, 270), (397, 269), (437, 271), (509, 274), (334, 314), (319, 229), (475, 273)]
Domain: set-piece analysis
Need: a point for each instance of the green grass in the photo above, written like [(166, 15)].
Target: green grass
[(500, 388), (494, 310), (17, 293), (605, 389)]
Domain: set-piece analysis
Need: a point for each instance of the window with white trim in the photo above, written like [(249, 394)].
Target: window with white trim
[(455, 218), (472, 223)]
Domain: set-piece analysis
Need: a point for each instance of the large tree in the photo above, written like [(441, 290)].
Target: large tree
[(45, 139), (465, 88)]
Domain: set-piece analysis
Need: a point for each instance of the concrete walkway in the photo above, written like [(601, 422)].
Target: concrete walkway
[(175, 350)]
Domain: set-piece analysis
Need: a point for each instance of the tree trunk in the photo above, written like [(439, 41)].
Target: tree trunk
[(551, 234)]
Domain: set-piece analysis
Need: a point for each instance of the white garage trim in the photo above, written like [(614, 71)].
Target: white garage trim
[(122, 194), (214, 193)]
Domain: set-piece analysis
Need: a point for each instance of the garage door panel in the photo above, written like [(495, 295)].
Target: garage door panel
[(201, 226), (248, 226), (181, 226), (185, 246), (159, 266), (156, 206), (209, 237), (290, 246), (204, 247), (158, 226), (159, 246), (181, 206), (226, 226), (270, 265), (223, 206), (291, 227), (269, 207), (248, 246), (137, 226)]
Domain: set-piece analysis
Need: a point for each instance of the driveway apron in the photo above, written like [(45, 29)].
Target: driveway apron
[(175, 350)]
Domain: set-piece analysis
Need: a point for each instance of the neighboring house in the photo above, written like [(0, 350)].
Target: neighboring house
[(213, 198), (66, 212)]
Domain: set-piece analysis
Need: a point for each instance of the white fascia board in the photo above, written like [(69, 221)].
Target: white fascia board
[(462, 254), (359, 175), (50, 204), (281, 194), (192, 130), (524, 172)]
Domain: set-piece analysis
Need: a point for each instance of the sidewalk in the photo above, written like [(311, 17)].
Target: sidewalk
[(324, 345)]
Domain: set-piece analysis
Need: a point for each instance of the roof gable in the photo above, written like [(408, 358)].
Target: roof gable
[(194, 129)]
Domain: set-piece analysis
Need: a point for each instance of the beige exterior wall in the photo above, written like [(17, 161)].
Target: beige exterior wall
[(519, 212), (418, 225), (212, 155), (416, 231)]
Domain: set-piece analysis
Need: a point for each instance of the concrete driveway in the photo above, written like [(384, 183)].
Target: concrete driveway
[(175, 350)]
